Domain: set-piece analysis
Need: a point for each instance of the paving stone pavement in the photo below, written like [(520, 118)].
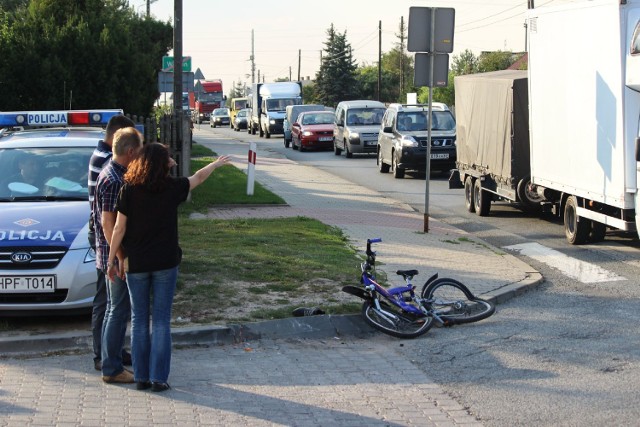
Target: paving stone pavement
[(315, 371), (297, 382)]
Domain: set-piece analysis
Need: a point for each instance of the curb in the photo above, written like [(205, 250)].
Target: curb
[(311, 327)]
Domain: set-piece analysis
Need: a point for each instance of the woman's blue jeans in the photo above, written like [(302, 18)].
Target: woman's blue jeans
[(151, 299)]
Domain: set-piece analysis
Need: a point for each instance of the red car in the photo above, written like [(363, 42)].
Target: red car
[(313, 129)]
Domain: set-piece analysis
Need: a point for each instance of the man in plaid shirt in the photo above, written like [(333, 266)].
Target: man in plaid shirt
[(126, 144), (101, 156)]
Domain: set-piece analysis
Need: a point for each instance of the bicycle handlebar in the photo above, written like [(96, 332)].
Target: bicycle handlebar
[(371, 256)]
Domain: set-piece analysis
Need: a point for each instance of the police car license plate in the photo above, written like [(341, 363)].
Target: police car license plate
[(325, 138), (440, 155), (22, 284), (370, 142)]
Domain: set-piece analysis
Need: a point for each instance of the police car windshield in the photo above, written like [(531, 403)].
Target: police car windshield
[(44, 173)]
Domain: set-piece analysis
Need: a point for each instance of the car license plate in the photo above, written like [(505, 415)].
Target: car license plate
[(440, 155), (22, 284), (370, 142), (325, 138)]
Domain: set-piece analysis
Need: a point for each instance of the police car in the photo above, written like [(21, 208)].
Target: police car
[(46, 263)]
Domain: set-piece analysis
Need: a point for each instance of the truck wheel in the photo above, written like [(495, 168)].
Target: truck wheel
[(382, 166), (576, 229), (481, 199), (398, 173), (469, 203), (527, 194), (336, 150), (597, 232)]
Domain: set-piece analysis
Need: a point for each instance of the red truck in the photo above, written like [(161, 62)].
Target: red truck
[(208, 99)]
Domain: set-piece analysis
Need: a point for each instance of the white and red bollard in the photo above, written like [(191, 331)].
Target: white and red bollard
[(251, 168)]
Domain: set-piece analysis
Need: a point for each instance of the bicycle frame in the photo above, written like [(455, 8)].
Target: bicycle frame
[(393, 295)]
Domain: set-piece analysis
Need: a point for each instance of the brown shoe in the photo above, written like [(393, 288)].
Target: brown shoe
[(124, 377)]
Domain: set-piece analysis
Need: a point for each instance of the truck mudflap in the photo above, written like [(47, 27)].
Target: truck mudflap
[(454, 180)]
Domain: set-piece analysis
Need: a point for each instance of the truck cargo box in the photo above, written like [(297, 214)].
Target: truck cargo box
[(492, 119)]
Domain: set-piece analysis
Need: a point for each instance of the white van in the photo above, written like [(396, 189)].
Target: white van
[(357, 127)]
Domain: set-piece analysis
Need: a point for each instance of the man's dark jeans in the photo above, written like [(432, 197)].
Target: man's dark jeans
[(97, 316)]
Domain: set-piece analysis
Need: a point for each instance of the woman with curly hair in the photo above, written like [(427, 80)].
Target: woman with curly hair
[(145, 241)]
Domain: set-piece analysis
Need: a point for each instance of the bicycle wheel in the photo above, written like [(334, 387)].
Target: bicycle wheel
[(454, 303), (394, 321)]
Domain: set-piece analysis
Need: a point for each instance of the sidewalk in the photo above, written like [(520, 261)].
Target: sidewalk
[(362, 213), (308, 371)]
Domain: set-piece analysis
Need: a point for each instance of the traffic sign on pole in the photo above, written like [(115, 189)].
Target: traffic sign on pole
[(422, 65), (431, 35), (167, 63), (420, 31)]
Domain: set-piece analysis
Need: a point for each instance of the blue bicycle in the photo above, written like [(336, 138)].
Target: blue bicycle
[(401, 313)]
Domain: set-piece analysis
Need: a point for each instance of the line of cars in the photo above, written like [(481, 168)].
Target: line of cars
[(397, 134)]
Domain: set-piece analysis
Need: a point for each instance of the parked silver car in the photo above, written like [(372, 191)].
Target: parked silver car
[(46, 262)]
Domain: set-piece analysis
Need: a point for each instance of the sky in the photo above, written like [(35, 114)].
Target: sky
[(217, 34)]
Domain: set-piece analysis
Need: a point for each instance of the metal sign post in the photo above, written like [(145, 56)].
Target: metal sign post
[(431, 31)]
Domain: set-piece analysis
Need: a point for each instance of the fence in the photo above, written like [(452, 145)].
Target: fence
[(165, 131)]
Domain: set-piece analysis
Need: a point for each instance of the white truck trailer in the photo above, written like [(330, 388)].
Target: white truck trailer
[(584, 114)]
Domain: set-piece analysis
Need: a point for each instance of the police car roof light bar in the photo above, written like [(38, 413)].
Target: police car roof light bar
[(57, 118)]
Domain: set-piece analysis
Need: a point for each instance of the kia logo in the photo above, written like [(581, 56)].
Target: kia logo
[(21, 257)]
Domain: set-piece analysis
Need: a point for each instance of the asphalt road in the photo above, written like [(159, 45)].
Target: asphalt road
[(565, 354)]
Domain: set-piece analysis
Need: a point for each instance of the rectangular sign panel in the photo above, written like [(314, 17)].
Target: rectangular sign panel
[(167, 63), (422, 66), (165, 82), (420, 29)]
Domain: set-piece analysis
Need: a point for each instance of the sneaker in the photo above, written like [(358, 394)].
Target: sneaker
[(143, 385), (159, 386), (124, 377), (97, 364)]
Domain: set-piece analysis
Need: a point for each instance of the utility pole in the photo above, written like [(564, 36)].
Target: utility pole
[(401, 55), (299, 62), (253, 62), (183, 149), (379, 58)]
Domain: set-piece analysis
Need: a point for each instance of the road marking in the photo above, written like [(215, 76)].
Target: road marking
[(585, 272)]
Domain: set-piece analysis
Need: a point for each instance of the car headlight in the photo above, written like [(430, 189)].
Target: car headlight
[(272, 122), (354, 135), (90, 256), (307, 133), (408, 141)]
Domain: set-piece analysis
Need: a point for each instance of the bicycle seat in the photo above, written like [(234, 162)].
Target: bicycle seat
[(407, 273)]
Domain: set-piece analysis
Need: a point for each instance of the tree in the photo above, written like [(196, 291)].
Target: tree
[(336, 80), (237, 91), (80, 54), (494, 61), (368, 83), (465, 63)]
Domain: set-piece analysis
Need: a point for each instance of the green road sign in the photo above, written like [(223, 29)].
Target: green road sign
[(167, 63)]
